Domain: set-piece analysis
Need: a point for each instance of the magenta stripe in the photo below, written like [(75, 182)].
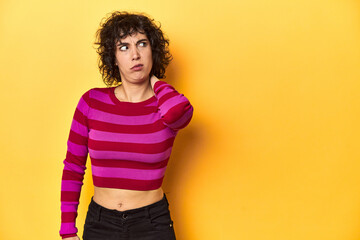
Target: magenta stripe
[(129, 173), (129, 156), (76, 149), (165, 89), (71, 185), (82, 106), (120, 119), (101, 97), (75, 168), (154, 137), (154, 103), (69, 206), (68, 228), (79, 128), (181, 121), (158, 83), (170, 103)]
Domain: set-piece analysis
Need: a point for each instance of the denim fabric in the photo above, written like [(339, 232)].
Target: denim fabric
[(151, 222)]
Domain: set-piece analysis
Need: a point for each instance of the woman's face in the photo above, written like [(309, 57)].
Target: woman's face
[(134, 58)]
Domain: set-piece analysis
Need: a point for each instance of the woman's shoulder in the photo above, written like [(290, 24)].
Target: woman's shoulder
[(94, 91), (97, 94)]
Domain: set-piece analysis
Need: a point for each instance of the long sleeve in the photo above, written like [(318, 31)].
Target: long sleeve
[(74, 167), (175, 109)]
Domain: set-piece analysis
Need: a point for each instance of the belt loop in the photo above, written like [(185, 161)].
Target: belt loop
[(99, 213), (147, 213)]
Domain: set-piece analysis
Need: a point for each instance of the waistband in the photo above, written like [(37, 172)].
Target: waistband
[(130, 213)]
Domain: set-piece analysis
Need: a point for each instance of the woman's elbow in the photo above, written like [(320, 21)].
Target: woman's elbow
[(179, 116)]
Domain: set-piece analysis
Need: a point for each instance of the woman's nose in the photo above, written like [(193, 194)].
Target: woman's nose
[(135, 54)]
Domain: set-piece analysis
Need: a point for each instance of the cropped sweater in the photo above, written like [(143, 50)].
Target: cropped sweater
[(129, 144)]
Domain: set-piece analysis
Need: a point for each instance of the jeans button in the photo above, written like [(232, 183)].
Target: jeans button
[(124, 216)]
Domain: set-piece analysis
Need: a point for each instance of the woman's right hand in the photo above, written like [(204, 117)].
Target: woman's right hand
[(71, 238), (153, 80)]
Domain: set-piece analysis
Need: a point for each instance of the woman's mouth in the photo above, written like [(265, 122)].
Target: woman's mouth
[(137, 67)]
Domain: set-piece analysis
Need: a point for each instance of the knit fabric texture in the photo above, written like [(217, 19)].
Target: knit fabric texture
[(129, 144)]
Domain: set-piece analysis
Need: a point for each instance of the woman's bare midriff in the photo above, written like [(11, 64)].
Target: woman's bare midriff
[(123, 199)]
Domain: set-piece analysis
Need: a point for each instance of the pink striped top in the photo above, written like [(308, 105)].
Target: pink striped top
[(129, 144)]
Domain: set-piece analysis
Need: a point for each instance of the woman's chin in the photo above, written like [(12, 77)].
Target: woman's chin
[(138, 79), (141, 76)]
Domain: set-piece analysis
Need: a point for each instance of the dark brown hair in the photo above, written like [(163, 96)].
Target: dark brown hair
[(120, 25)]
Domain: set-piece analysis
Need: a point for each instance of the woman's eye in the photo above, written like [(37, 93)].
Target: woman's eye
[(123, 48)]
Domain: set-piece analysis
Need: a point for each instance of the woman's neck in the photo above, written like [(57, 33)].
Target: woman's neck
[(130, 92)]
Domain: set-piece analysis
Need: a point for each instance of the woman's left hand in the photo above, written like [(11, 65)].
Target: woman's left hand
[(153, 80)]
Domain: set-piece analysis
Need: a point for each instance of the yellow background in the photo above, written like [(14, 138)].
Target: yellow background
[(272, 151)]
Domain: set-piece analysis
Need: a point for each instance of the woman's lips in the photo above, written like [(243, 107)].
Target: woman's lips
[(137, 67)]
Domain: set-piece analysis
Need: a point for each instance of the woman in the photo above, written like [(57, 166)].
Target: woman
[(128, 131)]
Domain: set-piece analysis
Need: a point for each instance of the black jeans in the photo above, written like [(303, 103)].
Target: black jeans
[(151, 222)]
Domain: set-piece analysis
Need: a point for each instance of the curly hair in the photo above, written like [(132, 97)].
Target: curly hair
[(120, 25)]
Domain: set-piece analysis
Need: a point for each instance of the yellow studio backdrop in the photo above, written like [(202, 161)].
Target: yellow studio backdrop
[(272, 151)]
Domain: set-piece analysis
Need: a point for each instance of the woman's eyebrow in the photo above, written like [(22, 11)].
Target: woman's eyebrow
[(126, 43)]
